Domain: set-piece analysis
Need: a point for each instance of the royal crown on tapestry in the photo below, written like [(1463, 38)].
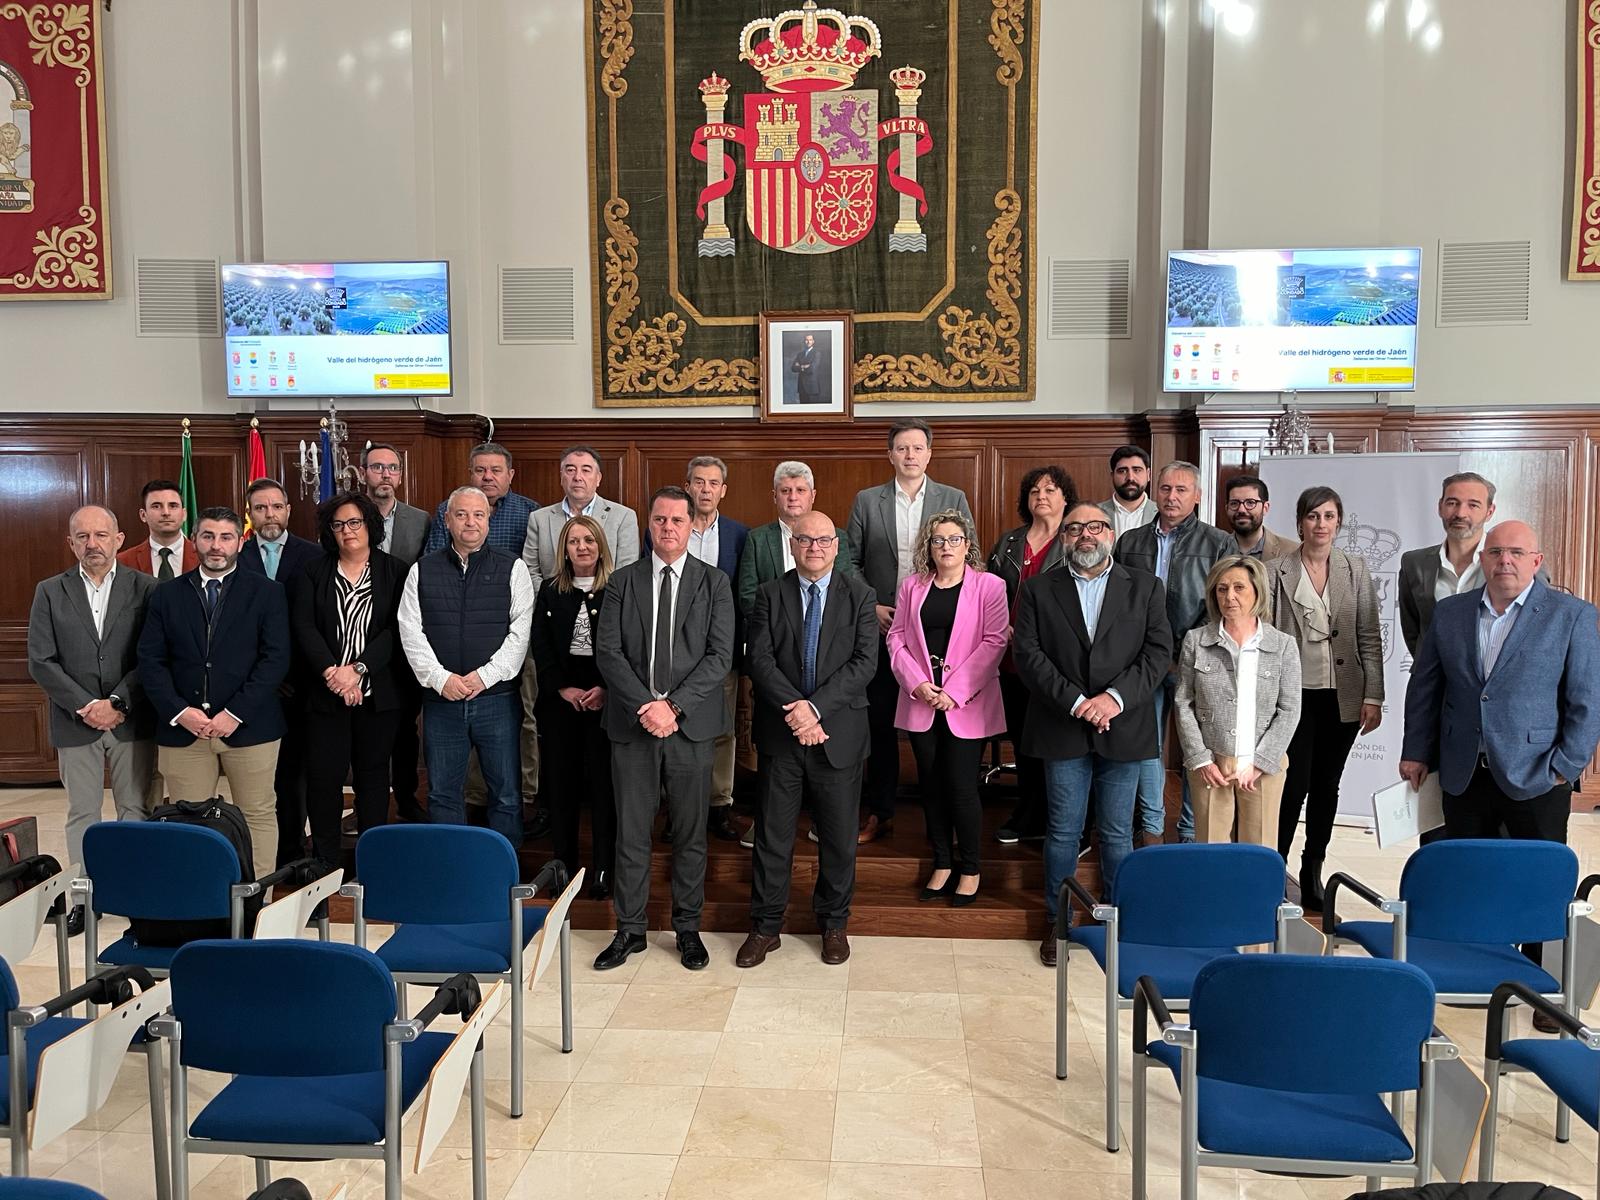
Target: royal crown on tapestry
[(809, 49)]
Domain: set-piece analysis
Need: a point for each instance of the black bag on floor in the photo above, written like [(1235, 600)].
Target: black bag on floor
[(1470, 1191), (226, 819)]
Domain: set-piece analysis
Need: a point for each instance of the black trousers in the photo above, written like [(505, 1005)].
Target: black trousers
[(1317, 754), (576, 764), (1481, 811), (289, 781), (643, 771), (882, 781), (357, 742), (785, 779), (947, 775), (403, 776), (1028, 818)]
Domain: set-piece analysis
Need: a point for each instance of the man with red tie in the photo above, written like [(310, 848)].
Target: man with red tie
[(168, 553)]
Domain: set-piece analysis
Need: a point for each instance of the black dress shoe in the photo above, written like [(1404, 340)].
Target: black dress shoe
[(600, 889), (75, 922), (962, 899), (945, 889), (692, 951), (538, 824), (618, 951), (408, 812), (720, 824)]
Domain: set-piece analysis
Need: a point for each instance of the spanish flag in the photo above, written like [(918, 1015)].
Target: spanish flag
[(256, 457)]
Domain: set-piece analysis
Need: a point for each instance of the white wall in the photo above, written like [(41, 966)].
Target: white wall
[(455, 128)]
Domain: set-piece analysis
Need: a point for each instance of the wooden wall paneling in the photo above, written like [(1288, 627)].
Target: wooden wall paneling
[(25, 753), (127, 464), (40, 485)]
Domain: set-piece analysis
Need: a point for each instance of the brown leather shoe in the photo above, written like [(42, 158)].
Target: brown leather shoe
[(835, 947), (1047, 949), (756, 948), (872, 829)]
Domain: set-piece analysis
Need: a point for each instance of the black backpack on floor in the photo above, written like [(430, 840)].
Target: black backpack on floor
[(226, 819)]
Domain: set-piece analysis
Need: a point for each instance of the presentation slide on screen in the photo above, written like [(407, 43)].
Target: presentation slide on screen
[(1291, 320), (337, 329)]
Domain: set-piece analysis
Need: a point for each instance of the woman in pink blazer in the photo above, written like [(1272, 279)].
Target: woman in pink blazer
[(950, 629)]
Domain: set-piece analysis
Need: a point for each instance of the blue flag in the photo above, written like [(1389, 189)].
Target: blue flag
[(325, 482)]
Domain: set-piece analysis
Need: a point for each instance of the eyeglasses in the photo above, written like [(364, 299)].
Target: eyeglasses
[(954, 540), (1092, 528), (384, 468), (821, 543), (1244, 505), (1514, 553), (352, 524)]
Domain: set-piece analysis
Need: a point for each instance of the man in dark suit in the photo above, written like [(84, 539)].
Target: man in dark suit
[(808, 377), (884, 524), (83, 638), (405, 533), (1092, 644), (813, 647), (664, 647), (718, 541), (281, 556), (214, 651), (1450, 567), (167, 554)]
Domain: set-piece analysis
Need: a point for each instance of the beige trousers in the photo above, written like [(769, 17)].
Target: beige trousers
[(83, 774), (192, 773), (1257, 811)]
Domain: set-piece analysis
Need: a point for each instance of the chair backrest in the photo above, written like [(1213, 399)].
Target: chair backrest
[(10, 996), (1489, 890), (1338, 1026), (1199, 895), (159, 870), (286, 1008), (44, 1189), (436, 874)]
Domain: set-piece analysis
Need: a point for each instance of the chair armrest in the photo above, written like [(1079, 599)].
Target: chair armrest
[(459, 994), (1148, 1002), (1340, 880), (1072, 889), (1588, 885), (1511, 990), (32, 870), (552, 877), (113, 988), (302, 871)]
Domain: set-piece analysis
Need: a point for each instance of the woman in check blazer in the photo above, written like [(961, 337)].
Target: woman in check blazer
[(951, 626)]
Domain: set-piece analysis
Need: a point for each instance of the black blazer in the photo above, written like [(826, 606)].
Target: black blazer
[(235, 663), (298, 554), (554, 615), (1131, 652), (314, 623), (847, 659), (702, 649)]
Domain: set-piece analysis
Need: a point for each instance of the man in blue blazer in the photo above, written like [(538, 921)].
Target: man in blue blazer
[(214, 648), (1504, 699)]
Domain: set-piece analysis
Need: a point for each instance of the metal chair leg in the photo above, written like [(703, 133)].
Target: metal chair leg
[(158, 1122), (1491, 1114), (480, 1166), (1113, 1073), (1141, 1064), (566, 986), (1189, 1126), (400, 1001), (517, 993), (263, 1173), (1063, 1008)]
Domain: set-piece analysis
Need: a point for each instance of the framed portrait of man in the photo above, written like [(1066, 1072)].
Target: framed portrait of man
[(805, 366)]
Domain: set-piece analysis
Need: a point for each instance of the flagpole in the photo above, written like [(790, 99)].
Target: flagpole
[(186, 485)]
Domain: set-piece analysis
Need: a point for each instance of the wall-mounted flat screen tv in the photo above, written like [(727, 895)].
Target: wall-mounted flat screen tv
[(1291, 320), (337, 329)]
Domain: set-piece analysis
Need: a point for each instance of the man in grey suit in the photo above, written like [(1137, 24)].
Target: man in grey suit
[(1450, 567), (1129, 505), (83, 643), (405, 532), (580, 485), (884, 524), (664, 647)]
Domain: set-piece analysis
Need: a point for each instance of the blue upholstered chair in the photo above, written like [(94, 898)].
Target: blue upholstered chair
[(1465, 907), (1174, 909), (31, 1030), (163, 871), (322, 1066), (1569, 1065), (1283, 1067), (453, 892), (45, 1189)]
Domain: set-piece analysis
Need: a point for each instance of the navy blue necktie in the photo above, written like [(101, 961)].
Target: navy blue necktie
[(808, 654), (213, 595)]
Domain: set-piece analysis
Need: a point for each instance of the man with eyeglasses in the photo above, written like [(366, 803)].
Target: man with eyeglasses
[(1247, 506), (1179, 549), (813, 647), (405, 532), (1504, 698), (1093, 644)]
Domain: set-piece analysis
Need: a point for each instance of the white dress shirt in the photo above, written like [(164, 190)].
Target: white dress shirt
[(907, 524), (1091, 599), (705, 544), (656, 567), (177, 556), (1123, 519), (505, 663), (99, 597), (1246, 663), (1448, 583), (788, 550)]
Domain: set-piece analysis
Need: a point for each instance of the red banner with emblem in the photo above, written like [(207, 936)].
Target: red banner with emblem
[(1584, 259), (55, 243)]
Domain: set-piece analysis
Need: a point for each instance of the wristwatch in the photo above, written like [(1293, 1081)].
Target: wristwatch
[(118, 703), (676, 711), (361, 668)]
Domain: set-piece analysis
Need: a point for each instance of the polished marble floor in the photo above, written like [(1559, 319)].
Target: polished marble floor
[(921, 1068)]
